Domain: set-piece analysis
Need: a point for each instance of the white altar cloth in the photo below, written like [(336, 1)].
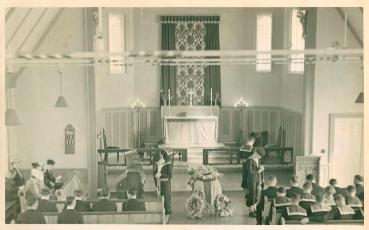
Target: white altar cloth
[(191, 131)]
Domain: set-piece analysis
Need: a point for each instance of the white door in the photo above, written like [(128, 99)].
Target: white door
[(346, 148)]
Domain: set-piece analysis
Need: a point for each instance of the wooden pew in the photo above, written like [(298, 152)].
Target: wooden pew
[(335, 222), (154, 214), (266, 210), (276, 216)]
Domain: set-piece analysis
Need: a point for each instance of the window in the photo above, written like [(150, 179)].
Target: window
[(264, 42), (297, 43), (116, 41)]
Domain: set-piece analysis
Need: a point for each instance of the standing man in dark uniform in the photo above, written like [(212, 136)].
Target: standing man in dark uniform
[(163, 174), (251, 179), (49, 178)]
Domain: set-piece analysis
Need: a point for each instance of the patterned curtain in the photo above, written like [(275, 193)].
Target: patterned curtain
[(190, 33)]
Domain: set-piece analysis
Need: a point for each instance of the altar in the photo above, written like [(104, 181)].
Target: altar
[(190, 126)]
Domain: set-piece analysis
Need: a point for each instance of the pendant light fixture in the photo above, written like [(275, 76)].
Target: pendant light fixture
[(11, 117), (61, 102)]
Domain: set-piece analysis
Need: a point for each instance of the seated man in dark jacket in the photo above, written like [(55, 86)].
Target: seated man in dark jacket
[(307, 199), (295, 211), (341, 211), (132, 204), (359, 184), (45, 205), (317, 190), (104, 204), (69, 215), (342, 191), (81, 205), (270, 193), (294, 182), (31, 215), (319, 212)]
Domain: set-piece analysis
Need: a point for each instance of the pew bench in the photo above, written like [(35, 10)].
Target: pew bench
[(334, 222)]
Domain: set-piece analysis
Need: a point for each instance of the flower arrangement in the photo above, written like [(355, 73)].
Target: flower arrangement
[(222, 206), (196, 206), (203, 173)]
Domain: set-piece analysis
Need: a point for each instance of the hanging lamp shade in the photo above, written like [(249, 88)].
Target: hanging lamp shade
[(360, 98), (11, 118), (61, 102)]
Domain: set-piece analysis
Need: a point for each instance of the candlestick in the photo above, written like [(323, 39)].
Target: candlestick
[(345, 35), (211, 96)]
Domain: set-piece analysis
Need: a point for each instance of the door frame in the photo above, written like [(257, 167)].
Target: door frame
[(332, 119)]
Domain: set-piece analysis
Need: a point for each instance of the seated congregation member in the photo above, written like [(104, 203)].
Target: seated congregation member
[(36, 181), (18, 177), (294, 211), (294, 182), (31, 215), (69, 215), (359, 184), (352, 200), (81, 205), (281, 201), (341, 211), (132, 204), (307, 199), (11, 190), (45, 205), (50, 180), (104, 204), (270, 193), (342, 191), (319, 212), (316, 188), (328, 197)]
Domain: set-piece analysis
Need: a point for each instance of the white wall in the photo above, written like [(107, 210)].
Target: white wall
[(336, 85), (237, 31), (41, 135)]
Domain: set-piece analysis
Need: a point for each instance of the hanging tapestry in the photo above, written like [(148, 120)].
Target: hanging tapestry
[(190, 78), (190, 33)]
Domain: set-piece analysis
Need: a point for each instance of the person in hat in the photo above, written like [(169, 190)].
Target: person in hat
[(104, 204), (69, 215), (31, 215), (81, 204), (132, 204), (36, 182), (163, 174), (51, 181), (45, 205), (251, 179), (18, 175)]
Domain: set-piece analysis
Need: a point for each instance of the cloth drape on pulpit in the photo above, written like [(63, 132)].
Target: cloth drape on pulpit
[(190, 33)]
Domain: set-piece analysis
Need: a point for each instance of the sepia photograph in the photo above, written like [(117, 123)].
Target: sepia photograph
[(195, 115)]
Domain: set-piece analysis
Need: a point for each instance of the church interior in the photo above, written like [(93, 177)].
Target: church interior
[(171, 106)]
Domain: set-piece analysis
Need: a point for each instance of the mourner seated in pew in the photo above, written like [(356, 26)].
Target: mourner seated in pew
[(307, 199), (294, 182), (281, 201), (31, 215), (342, 191), (270, 193), (132, 204), (294, 211), (81, 204), (319, 211), (359, 184), (69, 215), (352, 200), (316, 188), (104, 204), (341, 211), (328, 197), (45, 205)]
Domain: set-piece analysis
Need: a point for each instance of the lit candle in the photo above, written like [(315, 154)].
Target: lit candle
[(211, 96), (169, 97)]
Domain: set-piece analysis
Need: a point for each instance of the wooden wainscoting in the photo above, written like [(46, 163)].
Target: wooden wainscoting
[(121, 125)]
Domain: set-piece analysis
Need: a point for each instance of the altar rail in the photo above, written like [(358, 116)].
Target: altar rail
[(121, 125)]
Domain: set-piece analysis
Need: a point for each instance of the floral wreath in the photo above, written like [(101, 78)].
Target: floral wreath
[(196, 206), (203, 173), (222, 205)]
